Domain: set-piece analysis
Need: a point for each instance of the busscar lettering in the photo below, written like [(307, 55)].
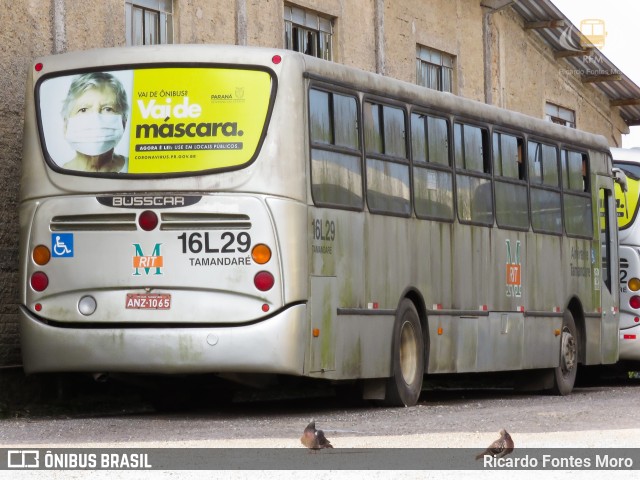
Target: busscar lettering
[(131, 201)]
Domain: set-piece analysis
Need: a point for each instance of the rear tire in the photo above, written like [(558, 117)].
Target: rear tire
[(405, 384), (564, 375)]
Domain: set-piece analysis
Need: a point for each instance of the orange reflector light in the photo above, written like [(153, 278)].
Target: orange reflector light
[(316, 332), (634, 284), (41, 255), (261, 254), (557, 332), (440, 330)]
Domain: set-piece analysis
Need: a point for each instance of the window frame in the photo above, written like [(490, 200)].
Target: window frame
[(556, 115), (337, 149), (441, 67), (499, 178), (163, 8), (383, 156), (321, 32), (461, 170), (543, 186), (427, 165), (569, 192)]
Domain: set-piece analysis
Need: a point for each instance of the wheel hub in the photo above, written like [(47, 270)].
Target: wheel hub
[(408, 353), (568, 352)]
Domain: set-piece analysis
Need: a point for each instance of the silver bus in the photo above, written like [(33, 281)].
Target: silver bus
[(249, 211), (628, 160)]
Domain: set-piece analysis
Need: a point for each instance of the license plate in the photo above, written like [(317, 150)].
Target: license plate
[(149, 301)]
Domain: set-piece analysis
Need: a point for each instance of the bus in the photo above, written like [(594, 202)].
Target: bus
[(243, 211), (628, 160)]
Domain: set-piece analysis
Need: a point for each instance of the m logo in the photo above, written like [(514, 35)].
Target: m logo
[(147, 262), (514, 271)]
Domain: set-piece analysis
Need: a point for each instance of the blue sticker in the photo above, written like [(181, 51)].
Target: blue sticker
[(62, 244)]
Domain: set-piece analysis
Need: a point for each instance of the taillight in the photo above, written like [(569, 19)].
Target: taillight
[(41, 255), (634, 302), (261, 253), (148, 220), (39, 281), (263, 281)]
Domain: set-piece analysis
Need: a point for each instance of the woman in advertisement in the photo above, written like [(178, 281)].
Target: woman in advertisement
[(95, 116)]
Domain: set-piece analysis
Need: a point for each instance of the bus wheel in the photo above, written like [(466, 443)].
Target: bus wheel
[(405, 384), (564, 376)]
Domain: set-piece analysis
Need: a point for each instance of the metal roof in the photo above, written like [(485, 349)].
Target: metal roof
[(583, 56)]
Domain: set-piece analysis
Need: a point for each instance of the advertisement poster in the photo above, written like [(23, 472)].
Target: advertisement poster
[(156, 120)]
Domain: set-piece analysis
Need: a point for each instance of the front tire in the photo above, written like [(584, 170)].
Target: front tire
[(405, 384), (564, 375)]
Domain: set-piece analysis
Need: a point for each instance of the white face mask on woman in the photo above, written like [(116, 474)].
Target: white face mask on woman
[(94, 133)]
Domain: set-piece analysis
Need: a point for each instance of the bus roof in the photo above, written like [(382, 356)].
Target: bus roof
[(626, 154), (336, 73), (444, 101)]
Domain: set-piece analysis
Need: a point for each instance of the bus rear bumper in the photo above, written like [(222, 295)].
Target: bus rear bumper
[(630, 343), (275, 345)]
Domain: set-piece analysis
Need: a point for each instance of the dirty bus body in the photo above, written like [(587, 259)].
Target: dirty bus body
[(267, 212), (628, 160)]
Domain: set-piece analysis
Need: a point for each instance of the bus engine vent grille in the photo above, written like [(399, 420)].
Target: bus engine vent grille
[(204, 221), (94, 222)]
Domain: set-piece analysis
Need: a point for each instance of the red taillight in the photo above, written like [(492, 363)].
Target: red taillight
[(276, 59), (634, 302), (148, 220), (39, 281), (39, 67), (263, 281)]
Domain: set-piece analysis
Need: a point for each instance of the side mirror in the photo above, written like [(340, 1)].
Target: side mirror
[(620, 178)]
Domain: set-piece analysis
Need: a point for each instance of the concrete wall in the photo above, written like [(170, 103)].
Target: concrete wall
[(376, 35)]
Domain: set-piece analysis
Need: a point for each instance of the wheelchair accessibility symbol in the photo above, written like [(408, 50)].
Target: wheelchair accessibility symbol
[(62, 244)]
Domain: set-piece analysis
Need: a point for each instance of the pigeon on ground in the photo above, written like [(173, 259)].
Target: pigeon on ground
[(501, 447), (314, 439)]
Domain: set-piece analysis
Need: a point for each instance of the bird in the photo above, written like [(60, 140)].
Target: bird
[(314, 439), (501, 447)]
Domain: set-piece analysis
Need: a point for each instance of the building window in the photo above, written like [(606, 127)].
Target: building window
[(560, 115), (434, 69), (148, 22), (308, 32)]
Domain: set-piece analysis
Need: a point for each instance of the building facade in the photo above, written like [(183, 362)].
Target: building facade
[(487, 50)]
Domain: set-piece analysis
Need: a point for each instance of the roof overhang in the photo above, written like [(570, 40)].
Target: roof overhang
[(583, 57)]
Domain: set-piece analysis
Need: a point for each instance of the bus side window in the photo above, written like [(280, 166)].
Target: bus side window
[(432, 175), (336, 168), (473, 182), (577, 200), (512, 205), (388, 183), (546, 204)]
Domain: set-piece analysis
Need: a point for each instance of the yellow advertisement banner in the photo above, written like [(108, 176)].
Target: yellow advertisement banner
[(193, 119)]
